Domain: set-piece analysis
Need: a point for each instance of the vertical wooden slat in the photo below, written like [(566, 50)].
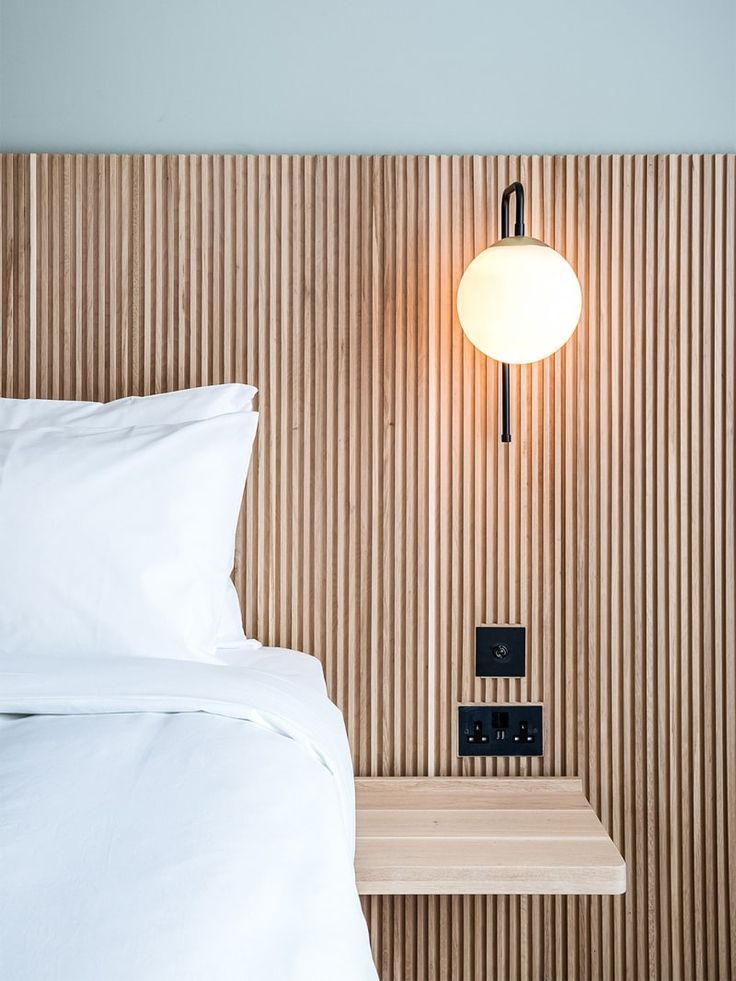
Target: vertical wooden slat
[(17, 274), (383, 518), (728, 556)]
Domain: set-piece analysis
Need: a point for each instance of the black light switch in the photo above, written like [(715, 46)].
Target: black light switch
[(500, 651), (500, 720)]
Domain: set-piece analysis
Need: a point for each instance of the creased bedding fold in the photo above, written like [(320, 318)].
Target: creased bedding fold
[(87, 686)]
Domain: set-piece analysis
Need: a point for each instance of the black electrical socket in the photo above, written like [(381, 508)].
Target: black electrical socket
[(500, 730), (500, 651)]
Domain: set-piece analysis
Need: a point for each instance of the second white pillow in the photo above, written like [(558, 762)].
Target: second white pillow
[(167, 408), (119, 542)]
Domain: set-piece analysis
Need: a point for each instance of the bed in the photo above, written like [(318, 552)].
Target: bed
[(176, 801), (175, 820)]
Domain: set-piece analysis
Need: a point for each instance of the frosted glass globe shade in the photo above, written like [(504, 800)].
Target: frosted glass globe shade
[(519, 300)]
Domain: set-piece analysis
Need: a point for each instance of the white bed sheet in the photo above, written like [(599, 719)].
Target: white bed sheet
[(303, 669), (164, 819)]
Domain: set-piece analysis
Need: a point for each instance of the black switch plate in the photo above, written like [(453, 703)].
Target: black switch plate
[(500, 652), (500, 730)]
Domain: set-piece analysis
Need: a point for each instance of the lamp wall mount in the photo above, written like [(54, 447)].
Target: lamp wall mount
[(516, 188)]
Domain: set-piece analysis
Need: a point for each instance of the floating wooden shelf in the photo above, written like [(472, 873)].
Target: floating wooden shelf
[(481, 835)]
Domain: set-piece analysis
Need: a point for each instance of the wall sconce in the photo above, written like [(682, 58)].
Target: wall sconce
[(518, 301)]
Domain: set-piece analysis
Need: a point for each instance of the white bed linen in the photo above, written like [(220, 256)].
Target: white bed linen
[(164, 819), (303, 669), (120, 541), (167, 408)]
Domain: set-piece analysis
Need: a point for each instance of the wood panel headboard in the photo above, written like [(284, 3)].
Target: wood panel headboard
[(384, 519)]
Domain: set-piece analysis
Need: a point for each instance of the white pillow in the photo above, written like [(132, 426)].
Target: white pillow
[(186, 405), (119, 542)]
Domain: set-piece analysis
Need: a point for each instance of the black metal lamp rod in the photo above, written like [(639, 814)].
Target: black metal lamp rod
[(517, 189), (505, 404)]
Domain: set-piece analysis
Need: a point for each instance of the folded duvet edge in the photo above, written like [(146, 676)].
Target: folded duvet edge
[(283, 705)]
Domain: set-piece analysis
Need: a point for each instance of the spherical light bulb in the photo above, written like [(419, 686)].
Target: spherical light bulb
[(519, 300)]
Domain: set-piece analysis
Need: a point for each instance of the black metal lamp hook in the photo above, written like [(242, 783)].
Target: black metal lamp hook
[(516, 188)]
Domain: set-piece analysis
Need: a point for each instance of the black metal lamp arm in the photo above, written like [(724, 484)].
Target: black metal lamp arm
[(517, 189)]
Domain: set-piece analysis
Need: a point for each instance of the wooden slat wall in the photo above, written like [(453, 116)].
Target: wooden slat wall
[(16, 300), (384, 519)]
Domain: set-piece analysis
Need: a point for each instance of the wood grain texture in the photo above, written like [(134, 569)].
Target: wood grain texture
[(384, 519), (472, 835), (16, 300)]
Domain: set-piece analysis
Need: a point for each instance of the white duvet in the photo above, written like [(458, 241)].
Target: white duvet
[(165, 819)]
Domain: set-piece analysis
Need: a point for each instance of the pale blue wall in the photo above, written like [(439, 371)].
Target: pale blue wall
[(367, 77)]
